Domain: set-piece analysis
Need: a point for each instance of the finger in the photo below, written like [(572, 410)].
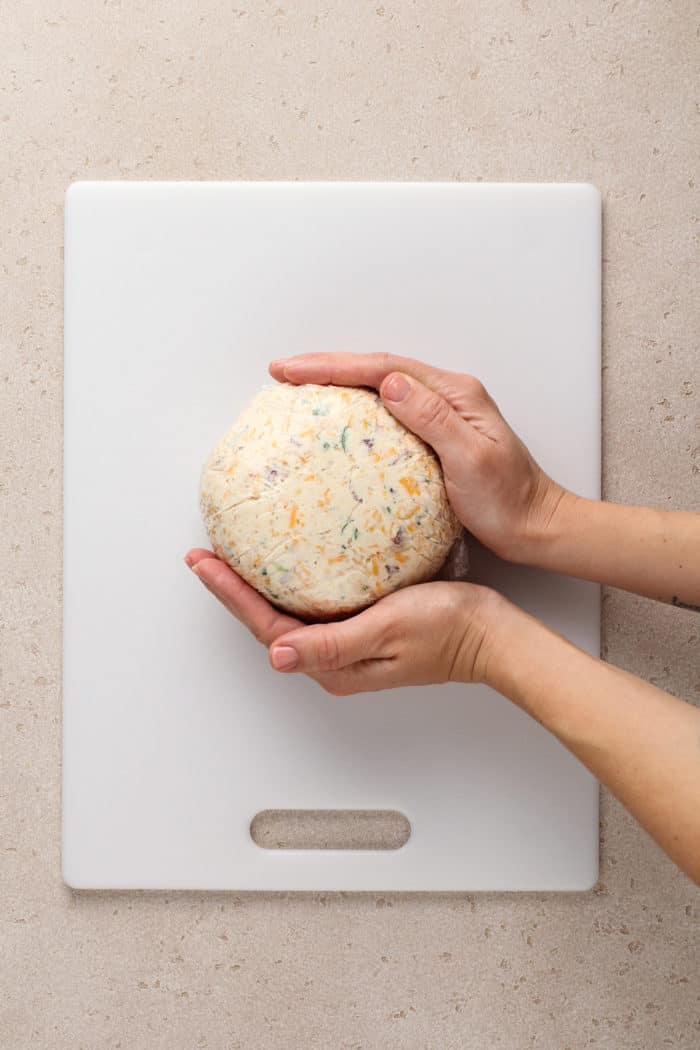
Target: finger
[(197, 554), (243, 601), (350, 369), (276, 369), (330, 646), (464, 392), (426, 413)]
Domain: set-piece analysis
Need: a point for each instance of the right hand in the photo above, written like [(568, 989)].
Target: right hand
[(419, 635), (496, 488)]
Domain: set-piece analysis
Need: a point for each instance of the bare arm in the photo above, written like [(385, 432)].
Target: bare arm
[(651, 552), (642, 743)]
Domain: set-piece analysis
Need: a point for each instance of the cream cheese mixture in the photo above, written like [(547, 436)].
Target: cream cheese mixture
[(322, 501)]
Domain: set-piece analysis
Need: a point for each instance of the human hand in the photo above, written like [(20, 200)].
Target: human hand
[(428, 633), (495, 486)]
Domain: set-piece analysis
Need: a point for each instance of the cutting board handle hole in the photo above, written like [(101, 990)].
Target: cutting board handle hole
[(317, 829)]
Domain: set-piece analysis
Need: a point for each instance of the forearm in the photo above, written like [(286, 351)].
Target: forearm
[(651, 552), (642, 743)]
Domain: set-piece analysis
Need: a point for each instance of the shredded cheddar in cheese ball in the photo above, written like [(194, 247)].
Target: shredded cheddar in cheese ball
[(323, 502)]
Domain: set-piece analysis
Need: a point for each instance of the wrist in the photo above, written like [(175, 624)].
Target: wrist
[(482, 616), (549, 519), (517, 649)]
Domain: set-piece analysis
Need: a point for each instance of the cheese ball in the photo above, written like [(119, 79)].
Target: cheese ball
[(324, 502)]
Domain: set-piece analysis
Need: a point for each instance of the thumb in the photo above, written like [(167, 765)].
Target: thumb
[(326, 646), (424, 412)]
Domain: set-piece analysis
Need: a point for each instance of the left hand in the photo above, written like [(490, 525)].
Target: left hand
[(496, 489), (428, 633)]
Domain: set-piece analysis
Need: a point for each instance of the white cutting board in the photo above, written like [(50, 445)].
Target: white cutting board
[(176, 731)]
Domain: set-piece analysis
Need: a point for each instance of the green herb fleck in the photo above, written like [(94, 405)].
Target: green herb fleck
[(263, 572), (344, 438), (388, 510), (326, 444), (356, 533), (281, 568), (347, 522)]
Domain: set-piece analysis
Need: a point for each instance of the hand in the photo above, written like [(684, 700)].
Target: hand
[(494, 485), (429, 633)]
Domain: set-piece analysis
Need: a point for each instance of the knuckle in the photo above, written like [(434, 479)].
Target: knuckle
[(434, 412), (474, 387), (329, 650), (267, 628), (259, 633), (384, 361)]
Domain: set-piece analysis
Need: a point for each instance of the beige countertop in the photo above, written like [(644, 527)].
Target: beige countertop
[(594, 91)]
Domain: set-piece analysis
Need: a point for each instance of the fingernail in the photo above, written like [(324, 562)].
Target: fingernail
[(291, 363), (278, 362), (395, 387), (284, 658)]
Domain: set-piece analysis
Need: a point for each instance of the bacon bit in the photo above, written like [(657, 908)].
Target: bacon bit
[(324, 502), (375, 565), (399, 556), (293, 516), (339, 557), (410, 485)]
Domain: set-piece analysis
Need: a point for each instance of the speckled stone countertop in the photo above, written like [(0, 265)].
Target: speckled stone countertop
[(594, 91)]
